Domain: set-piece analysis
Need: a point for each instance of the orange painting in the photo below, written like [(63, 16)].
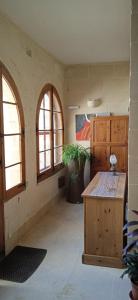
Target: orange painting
[(83, 126)]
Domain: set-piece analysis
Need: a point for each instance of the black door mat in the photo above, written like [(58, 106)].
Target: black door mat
[(21, 263)]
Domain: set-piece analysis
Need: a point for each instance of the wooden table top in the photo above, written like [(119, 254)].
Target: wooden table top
[(106, 185)]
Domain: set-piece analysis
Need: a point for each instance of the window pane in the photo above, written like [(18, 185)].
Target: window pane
[(48, 158), (57, 155), (13, 176), (41, 142), (11, 119), (47, 136), (46, 102), (7, 93), (41, 161), (45, 160), (12, 145), (41, 120), (58, 138), (57, 120), (56, 106), (44, 140), (44, 120)]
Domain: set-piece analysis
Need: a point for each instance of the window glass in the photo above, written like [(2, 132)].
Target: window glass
[(44, 140), (48, 140), (58, 138), (41, 141), (41, 161), (11, 119), (44, 120), (48, 159), (57, 155), (46, 102), (44, 160), (13, 176), (8, 95), (56, 106), (12, 146), (57, 120), (50, 132), (12, 137)]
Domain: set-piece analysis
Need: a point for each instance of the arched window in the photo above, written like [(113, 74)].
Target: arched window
[(12, 152), (50, 132)]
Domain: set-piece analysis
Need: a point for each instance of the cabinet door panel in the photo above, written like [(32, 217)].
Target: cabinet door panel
[(119, 130), (122, 157), (103, 227), (109, 135), (101, 131), (101, 158)]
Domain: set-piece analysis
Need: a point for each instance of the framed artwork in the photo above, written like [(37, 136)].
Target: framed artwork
[(83, 126)]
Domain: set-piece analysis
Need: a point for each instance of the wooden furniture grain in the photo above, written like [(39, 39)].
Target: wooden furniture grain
[(109, 135), (103, 219)]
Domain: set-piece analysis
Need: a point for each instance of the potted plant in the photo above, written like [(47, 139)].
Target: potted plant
[(74, 157), (130, 256)]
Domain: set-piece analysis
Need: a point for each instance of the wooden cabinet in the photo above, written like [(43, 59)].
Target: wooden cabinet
[(109, 135), (100, 161), (104, 219), (101, 130)]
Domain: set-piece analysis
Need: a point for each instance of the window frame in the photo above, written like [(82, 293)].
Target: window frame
[(41, 175), (8, 194)]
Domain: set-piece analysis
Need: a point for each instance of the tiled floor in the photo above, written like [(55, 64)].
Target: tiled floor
[(62, 276)]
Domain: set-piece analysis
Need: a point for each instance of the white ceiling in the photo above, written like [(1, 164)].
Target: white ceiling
[(75, 31)]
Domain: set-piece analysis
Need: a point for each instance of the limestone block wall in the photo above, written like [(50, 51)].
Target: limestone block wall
[(31, 68), (108, 82)]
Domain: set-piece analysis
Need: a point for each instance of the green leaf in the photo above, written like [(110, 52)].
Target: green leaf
[(75, 152)]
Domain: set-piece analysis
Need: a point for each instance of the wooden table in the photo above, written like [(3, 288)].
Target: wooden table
[(103, 219)]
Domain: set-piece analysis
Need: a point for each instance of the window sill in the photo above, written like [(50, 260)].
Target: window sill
[(50, 172), (14, 191)]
